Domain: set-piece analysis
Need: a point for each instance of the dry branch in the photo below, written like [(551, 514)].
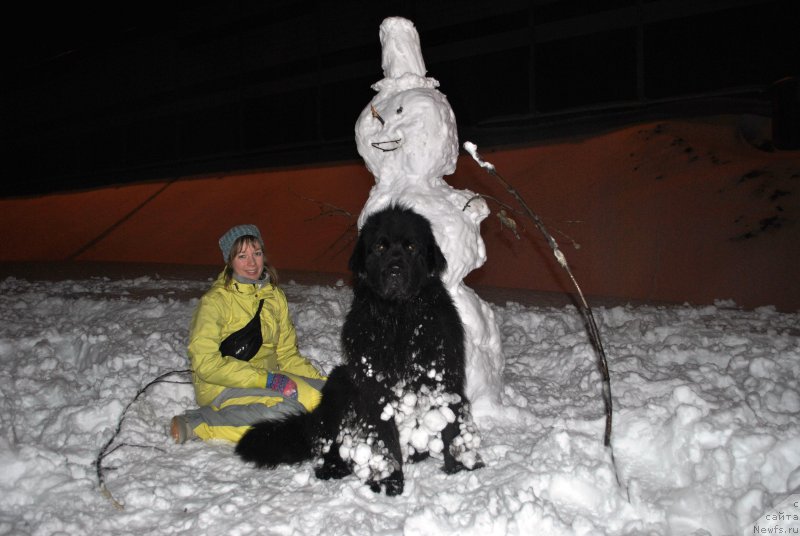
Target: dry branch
[(98, 462), (346, 237), (586, 311)]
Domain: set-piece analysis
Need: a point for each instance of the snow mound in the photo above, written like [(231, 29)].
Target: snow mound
[(706, 431)]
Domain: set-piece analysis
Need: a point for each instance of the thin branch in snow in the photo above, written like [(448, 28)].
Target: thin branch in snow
[(591, 325), (98, 462)]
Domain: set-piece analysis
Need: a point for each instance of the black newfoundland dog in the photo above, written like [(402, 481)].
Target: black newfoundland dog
[(399, 396)]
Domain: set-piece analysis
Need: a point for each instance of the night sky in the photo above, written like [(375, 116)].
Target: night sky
[(120, 92)]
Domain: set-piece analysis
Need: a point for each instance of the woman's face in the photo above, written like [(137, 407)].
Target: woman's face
[(249, 262)]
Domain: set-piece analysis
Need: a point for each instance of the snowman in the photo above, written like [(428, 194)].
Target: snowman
[(408, 139)]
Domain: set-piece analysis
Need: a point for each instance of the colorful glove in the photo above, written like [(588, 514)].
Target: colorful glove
[(283, 384)]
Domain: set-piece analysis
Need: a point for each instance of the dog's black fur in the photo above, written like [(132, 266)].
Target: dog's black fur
[(402, 335)]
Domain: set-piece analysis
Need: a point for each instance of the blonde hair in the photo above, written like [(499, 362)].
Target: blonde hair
[(238, 245)]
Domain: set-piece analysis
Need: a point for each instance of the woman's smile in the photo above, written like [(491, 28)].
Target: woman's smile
[(249, 262)]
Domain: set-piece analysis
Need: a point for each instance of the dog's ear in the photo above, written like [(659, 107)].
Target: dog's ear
[(436, 261), (357, 263)]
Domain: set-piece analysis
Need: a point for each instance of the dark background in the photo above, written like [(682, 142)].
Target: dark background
[(100, 94)]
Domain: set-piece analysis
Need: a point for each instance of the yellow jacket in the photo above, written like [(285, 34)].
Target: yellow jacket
[(224, 310)]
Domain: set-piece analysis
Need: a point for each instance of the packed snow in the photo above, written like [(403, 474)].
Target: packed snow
[(706, 432)]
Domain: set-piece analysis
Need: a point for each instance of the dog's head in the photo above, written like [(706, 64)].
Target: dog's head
[(396, 254)]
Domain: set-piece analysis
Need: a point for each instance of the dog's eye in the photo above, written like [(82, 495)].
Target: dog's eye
[(379, 247), (400, 110), (411, 247)]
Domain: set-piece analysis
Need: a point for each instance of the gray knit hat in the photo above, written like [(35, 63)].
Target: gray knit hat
[(227, 240)]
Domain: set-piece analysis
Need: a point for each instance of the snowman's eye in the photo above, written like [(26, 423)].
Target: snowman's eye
[(400, 110)]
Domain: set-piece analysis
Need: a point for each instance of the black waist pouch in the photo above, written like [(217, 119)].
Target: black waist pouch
[(244, 343)]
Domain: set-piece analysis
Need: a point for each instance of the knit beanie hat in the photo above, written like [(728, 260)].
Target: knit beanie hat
[(227, 240)]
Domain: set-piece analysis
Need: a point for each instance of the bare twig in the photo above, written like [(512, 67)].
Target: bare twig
[(575, 244), (591, 325), (343, 241), (498, 201), (508, 221), (376, 115), (98, 462), (346, 237), (326, 209)]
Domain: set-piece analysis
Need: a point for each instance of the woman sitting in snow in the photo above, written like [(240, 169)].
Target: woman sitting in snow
[(242, 345)]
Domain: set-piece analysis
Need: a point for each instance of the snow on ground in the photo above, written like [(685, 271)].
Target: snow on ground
[(706, 431)]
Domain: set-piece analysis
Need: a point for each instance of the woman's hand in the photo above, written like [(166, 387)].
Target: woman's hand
[(282, 384)]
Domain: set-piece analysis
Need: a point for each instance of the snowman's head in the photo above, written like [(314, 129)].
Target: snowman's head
[(408, 129), (409, 133)]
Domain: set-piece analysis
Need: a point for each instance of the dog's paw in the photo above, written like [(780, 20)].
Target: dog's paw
[(419, 456), (392, 484), (478, 463), (333, 469), (452, 466)]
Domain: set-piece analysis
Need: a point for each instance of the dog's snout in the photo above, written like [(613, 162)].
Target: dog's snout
[(396, 250), (396, 260)]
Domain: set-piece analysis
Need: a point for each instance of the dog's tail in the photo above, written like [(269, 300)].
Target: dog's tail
[(271, 443), (295, 439)]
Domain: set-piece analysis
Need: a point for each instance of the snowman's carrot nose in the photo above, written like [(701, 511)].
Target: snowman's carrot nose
[(376, 115)]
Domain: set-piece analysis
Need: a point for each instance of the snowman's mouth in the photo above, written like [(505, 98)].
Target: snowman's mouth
[(387, 146)]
